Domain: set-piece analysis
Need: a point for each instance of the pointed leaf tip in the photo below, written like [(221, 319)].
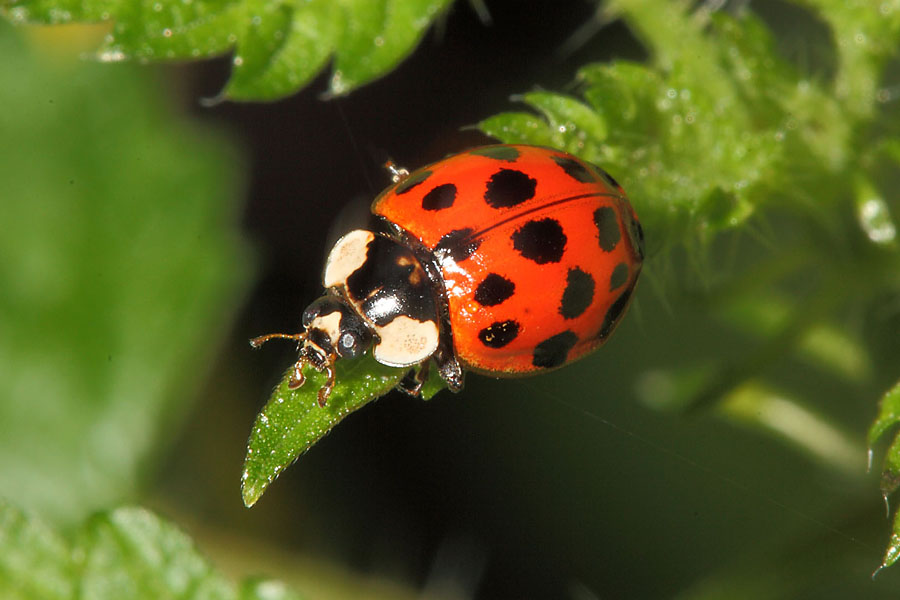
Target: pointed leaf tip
[(292, 420)]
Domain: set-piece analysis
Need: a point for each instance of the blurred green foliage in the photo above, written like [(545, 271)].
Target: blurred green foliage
[(119, 263), (125, 553), (279, 46)]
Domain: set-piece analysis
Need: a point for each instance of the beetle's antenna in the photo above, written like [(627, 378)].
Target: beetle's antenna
[(259, 341)]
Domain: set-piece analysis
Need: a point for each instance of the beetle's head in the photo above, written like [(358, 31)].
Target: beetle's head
[(332, 329)]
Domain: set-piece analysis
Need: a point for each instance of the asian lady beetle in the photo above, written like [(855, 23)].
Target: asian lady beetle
[(505, 260)]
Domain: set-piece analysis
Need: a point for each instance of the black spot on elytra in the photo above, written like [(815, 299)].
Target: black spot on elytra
[(578, 295), (618, 277), (575, 169), (508, 187), (457, 245), (499, 334), (507, 153), (636, 233), (440, 197), (608, 231), (554, 351), (614, 312), (609, 178), (541, 241), (411, 181), (493, 290)]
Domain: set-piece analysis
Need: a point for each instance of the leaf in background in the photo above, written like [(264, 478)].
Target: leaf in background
[(765, 313), (888, 415), (586, 128), (119, 261), (874, 215), (519, 128), (659, 129), (865, 36), (279, 45), (887, 419), (890, 472), (758, 405), (292, 421), (700, 137), (126, 553), (377, 35), (131, 553), (892, 553), (35, 561)]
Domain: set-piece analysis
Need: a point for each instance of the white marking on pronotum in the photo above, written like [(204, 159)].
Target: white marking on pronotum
[(330, 324), (406, 341), (348, 255)]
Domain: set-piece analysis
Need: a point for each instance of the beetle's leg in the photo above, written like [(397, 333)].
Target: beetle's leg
[(297, 377), (413, 381), (326, 388), (448, 366), (398, 174)]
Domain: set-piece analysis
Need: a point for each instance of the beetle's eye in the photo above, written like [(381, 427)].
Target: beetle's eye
[(349, 345), (355, 337), (347, 340)]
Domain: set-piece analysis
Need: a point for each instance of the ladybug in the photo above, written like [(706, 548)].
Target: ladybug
[(506, 260)]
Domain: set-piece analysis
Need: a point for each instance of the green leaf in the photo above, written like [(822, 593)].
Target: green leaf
[(756, 404), (279, 45), (569, 116), (131, 553), (125, 553), (888, 415), (892, 552), (865, 35), (119, 258), (765, 313), (700, 137), (35, 561), (281, 57), (292, 420), (890, 472), (874, 215), (377, 35), (518, 128)]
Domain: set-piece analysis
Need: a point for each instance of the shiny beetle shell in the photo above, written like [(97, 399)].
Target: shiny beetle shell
[(538, 251)]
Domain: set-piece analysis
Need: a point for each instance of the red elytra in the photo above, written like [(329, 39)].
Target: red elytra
[(539, 252)]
